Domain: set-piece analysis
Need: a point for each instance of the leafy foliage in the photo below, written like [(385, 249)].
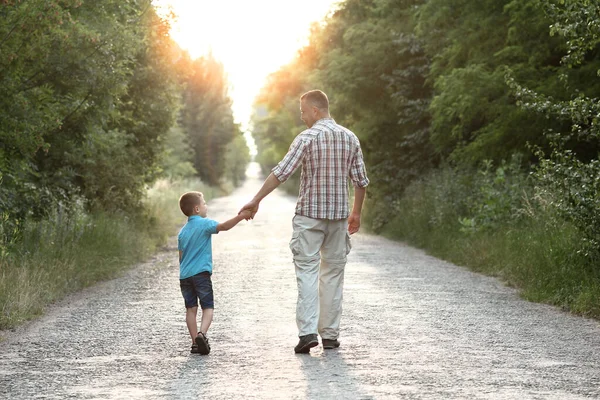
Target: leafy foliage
[(372, 66), (573, 187), (90, 93), (569, 175), (207, 118), (85, 87)]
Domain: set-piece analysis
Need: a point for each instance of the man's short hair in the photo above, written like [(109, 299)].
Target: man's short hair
[(317, 98), (188, 201)]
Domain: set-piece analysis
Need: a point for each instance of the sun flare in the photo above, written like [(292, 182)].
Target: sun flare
[(251, 38)]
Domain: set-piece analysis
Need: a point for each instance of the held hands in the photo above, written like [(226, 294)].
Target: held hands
[(353, 223), (251, 208), (245, 214)]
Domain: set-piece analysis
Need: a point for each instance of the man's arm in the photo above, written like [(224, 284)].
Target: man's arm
[(279, 174), (270, 184), (354, 218)]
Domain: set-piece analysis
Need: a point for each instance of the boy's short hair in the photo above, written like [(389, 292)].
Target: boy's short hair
[(316, 98), (188, 201)]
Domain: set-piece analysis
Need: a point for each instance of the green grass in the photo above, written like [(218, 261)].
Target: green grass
[(538, 253), (66, 253)]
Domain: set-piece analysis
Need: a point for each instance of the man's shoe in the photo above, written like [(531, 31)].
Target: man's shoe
[(306, 343), (202, 343), (331, 343)]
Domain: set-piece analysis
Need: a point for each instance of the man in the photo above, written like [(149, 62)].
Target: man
[(329, 155)]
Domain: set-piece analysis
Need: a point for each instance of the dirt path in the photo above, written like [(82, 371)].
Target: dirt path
[(414, 327)]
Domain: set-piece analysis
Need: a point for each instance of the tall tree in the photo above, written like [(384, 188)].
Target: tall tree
[(569, 174), (472, 43), (87, 89), (207, 118), (366, 57)]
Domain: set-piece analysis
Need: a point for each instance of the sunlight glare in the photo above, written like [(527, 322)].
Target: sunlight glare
[(251, 38)]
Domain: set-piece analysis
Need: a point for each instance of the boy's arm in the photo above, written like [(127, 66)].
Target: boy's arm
[(227, 225), (180, 255)]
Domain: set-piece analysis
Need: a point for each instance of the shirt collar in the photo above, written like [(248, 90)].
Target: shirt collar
[(192, 217), (323, 120)]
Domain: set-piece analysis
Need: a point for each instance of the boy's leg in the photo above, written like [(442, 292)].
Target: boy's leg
[(203, 285), (331, 279), (190, 320), (206, 319), (204, 289), (191, 305)]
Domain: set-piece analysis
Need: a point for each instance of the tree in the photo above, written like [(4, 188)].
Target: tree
[(570, 175), (471, 44), (87, 91), (207, 118)]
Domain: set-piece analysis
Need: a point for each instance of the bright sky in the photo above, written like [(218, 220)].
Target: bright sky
[(252, 38)]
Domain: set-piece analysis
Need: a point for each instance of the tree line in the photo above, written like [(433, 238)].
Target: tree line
[(97, 102), (426, 84)]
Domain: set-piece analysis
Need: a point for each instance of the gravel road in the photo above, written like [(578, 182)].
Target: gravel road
[(414, 327)]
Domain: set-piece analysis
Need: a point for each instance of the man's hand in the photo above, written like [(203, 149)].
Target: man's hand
[(252, 207), (246, 214), (353, 223)]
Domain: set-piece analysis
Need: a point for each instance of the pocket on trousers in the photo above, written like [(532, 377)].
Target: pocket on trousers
[(348, 243), (295, 243)]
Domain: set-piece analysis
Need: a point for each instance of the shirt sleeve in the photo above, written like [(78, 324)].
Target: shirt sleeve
[(358, 172), (211, 226), (179, 242), (291, 161)]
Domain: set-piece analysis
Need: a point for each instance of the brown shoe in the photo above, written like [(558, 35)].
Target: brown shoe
[(331, 343), (194, 349), (202, 343), (306, 343)]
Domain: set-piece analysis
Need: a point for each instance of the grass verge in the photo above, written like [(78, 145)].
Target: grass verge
[(538, 252), (68, 252)]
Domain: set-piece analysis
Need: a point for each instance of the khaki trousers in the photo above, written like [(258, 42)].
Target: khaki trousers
[(319, 247)]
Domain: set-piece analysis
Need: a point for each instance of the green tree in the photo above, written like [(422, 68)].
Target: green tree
[(87, 90), (366, 57), (569, 176), (207, 118), (471, 43)]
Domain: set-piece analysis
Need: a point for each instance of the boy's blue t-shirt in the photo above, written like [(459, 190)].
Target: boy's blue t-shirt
[(195, 242)]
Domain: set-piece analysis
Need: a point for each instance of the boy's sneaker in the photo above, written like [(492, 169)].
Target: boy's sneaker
[(331, 343), (306, 343), (202, 343)]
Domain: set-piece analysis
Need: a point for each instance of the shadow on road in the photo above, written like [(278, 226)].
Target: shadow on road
[(328, 375)]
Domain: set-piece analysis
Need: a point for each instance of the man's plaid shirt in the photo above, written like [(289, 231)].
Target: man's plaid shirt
[(329, 154)]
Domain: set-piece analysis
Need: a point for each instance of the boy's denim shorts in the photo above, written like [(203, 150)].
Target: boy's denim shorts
[(197, 287)]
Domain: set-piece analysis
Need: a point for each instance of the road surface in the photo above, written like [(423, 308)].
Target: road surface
[(414, 327)]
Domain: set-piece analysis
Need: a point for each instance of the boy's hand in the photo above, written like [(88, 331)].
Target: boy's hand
[(246, 214), (251, 206)]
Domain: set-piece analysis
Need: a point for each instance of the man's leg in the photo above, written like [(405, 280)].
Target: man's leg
[(306, 242), (331, 279), (307, 305)]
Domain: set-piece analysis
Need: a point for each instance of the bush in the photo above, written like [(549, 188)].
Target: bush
[(72, 249), (497, 221)]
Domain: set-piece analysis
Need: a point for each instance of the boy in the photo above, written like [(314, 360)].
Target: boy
[(195, 264)]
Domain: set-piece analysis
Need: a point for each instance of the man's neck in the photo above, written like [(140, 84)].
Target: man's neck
[(322, 116)]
